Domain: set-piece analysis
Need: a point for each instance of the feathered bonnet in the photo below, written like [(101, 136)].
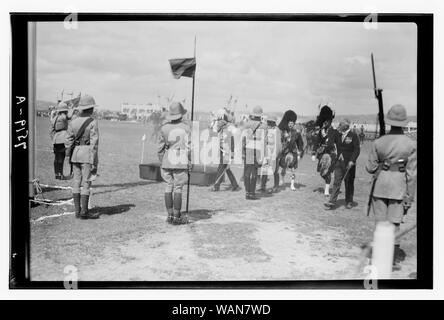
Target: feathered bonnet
[(289, 115)]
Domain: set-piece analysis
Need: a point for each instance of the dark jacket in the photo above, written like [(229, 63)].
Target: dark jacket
[(326, 143), (349, 147), (292, 142)]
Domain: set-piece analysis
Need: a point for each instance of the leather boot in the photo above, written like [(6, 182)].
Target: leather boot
[(56, 169), (84, 213), (169, 206), (178, 217), (263, 188), (398, 254), (76, 197)]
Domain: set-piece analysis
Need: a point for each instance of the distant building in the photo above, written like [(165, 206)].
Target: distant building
[(139, 111)]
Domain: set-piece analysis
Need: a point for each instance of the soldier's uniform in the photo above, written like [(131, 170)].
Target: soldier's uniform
[(174, 150), (253, 150), (325, 146), (393, 160), (59, 125), (224, 130), (292, 151), (326, 154), (84, 156), (273, 149)]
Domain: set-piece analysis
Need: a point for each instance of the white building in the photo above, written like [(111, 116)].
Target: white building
[(139, 111)]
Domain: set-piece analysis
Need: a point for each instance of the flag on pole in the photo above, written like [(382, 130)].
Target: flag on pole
[(144, 137), (183, 67)]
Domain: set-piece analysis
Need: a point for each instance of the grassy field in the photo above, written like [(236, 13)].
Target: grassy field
[(287, 236)]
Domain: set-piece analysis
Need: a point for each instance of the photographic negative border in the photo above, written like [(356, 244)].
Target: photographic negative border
[(20, 157)]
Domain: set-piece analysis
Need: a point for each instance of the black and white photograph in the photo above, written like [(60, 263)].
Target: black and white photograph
[(220, 149)]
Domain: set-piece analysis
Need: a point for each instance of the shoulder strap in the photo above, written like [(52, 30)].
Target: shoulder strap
[(54, 121), (259, 124), (82, 128)]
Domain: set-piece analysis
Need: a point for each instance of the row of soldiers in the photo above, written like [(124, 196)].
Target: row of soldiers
[(75, 135), (392, 160)]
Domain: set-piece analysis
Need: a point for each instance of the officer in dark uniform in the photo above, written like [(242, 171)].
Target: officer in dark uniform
[(325, 147), (348, 149), (292, 146), (392, 160), (59, 125)]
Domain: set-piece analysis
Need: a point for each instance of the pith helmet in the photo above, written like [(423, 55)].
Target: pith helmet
[(86, 102), (62, 107), (257, 111), (176, 111), (397, 116), (272, 119)]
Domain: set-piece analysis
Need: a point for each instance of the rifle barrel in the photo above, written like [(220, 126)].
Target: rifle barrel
[(374, 76)]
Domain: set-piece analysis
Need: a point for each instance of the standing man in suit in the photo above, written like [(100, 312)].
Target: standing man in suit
[(83, 151), (392, 160), (348, 147)]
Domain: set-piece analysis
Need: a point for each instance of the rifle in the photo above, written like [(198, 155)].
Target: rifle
[(378, 95), (372, 189)]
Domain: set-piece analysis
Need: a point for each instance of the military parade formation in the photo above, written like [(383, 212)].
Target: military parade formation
[(269, 148)]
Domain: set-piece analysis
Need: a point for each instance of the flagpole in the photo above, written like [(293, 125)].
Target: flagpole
[(192, 117), (143, 148)]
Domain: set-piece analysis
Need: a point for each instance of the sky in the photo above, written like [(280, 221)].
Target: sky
[(277, 65)]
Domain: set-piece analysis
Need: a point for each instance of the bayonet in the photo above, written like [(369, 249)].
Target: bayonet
[(378, 95)]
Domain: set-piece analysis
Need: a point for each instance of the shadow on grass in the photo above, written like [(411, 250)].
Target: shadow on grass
[(109, 211), (319, 190), (125, 185), (342, 203), (122, 186), (296, 185), (201, 214)]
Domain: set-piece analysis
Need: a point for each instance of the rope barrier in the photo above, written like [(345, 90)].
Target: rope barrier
[(55, 187), (51, 216), (53, 203)]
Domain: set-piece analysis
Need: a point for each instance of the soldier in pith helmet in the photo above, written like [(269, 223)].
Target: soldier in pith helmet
[(253, 148), (392, 161), (174, 151), (82, 142), (59, 125)]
